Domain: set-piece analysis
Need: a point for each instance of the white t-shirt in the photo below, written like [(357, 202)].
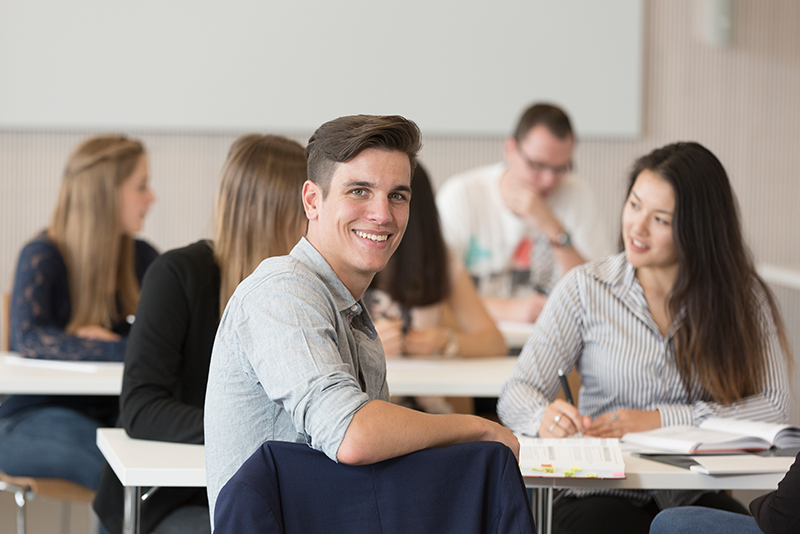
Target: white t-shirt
[(504, 255)]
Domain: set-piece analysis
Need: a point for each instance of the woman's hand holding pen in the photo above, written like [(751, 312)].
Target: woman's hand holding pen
[(619, 422), (561, 419)]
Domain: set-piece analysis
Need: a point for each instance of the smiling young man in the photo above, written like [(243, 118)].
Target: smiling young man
[(521, 224), (296, 356)]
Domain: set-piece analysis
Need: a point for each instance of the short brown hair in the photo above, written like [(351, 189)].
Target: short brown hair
[(343, 139), (551, 117)]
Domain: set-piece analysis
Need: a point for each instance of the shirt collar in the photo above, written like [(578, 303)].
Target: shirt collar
[(305, 252), (347, 305), (620, 277)]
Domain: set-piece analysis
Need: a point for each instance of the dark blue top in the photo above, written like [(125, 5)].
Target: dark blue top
[(40, 311)]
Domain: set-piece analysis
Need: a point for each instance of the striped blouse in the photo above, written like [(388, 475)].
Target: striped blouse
[(597, 320)]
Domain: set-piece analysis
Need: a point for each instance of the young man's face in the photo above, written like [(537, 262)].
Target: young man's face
[(540, 160), (360, 223)]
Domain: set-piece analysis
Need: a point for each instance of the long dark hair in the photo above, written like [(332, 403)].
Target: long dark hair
[(417, 273), (720, 340)]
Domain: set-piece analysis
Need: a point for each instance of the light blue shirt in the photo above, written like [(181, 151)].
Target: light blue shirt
[(294, 358)]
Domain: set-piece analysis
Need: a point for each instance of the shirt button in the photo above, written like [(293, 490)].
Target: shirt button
[(354, 307)]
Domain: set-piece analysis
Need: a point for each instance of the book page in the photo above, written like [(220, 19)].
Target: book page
[(571, 457), (765, 431), (687, 439)]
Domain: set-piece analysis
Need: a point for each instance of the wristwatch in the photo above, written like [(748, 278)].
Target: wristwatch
[(562, 240)]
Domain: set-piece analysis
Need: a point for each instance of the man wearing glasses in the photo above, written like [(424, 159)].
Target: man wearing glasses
[(521, 224)]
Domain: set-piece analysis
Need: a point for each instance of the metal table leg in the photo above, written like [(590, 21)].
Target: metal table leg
[(133, 499)]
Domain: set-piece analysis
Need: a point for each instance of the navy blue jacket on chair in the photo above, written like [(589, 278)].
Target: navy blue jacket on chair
[(289, 488)]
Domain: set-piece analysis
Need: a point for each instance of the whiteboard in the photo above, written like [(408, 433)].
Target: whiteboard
[(455, 67)]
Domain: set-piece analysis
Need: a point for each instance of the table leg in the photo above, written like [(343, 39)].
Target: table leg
[(548, 511), (133, 501), (543, 510)]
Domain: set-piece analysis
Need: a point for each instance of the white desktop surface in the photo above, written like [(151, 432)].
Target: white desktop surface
[(139, 462), (456, 377), (44, 377), (515, 334), (466, 377), (157, 463)]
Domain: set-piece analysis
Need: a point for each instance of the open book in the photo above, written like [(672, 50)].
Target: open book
[(571, 457), (716, 435)]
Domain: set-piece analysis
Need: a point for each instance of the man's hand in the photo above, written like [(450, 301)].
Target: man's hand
[(527, 204), (499, 433)]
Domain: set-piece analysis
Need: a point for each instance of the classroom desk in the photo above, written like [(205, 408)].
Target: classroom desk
[(642, 474), (456, 377), (515, 334), (142, 463), (34, 377)]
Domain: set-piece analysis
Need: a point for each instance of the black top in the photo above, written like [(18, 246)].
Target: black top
[(166, 370), (778, 511)]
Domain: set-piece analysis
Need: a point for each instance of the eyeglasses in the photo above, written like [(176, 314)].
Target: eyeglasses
[(539, 167)]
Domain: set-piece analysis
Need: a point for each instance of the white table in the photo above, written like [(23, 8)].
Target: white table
[(515, 334), (46, 377), (457, 377), (642, 474), (142, 463)]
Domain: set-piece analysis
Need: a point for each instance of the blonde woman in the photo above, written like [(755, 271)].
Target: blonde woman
[(258, 214), (75, 292)]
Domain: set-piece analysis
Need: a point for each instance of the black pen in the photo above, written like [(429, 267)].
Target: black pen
[(565, 387)]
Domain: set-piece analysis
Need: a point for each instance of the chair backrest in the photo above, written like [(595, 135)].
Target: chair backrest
[(287, 488)]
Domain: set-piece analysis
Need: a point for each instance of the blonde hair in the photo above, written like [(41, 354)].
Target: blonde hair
[(258, 210), (87, 230)]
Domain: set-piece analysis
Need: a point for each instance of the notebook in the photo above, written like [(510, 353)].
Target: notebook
[(741, 464), (571, 457), (717, 435)]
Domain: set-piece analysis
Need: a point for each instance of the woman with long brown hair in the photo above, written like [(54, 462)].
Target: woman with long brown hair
[(258, 213), (75, 293), (676, 329)]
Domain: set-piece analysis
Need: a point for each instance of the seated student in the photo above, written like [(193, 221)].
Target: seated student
[(406, 298), (774, 513), (258, 214), (75, 292), (676, 329), (519, 225), (296, 358)]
